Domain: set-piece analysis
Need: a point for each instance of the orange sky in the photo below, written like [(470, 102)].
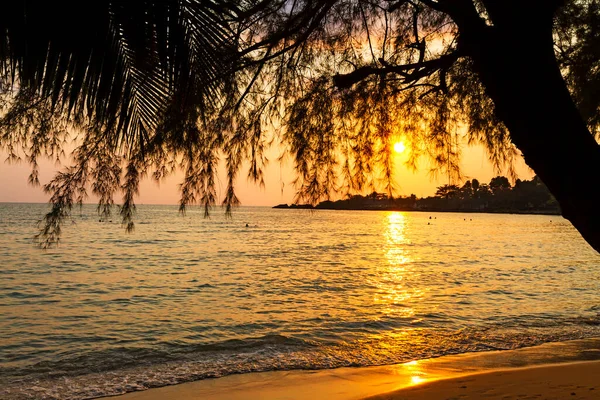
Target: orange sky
[(14, 187)]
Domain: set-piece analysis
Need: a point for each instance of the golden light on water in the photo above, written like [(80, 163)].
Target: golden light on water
[(393, 292), (396, 253)]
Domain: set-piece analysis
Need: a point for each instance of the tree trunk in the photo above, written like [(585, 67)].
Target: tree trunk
[(516, 64)]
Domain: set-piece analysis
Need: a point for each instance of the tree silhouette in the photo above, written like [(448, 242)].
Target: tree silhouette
[(498, 196), (156, 86), (467, 191), (532, 194), (499, 184), (530, 197), (447, 191), (475, 186)]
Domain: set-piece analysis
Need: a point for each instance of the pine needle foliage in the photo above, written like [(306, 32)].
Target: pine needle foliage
[(150, 87)]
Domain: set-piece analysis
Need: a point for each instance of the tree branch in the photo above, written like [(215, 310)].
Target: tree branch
[(419, 70)]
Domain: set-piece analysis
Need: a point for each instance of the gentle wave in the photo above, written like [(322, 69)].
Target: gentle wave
[(124, 369), (186, 298)]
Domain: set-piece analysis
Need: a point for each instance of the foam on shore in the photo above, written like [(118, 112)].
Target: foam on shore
[(565, 366)]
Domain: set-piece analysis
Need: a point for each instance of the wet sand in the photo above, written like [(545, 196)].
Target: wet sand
[(551, 371), (567, 381)]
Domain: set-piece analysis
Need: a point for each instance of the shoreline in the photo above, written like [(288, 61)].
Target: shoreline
[(576, 364)]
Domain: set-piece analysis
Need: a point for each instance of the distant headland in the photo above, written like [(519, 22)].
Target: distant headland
[(497, 196)]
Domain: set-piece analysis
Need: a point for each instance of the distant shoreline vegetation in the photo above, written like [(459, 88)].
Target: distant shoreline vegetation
[(497, 196)]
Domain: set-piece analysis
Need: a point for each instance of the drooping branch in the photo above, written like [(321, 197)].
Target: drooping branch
[(201, 80), (301, 24), (410, 72)]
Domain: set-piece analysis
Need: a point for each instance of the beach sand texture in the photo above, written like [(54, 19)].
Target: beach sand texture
[(543, 372), (555, 382), (569, 381)]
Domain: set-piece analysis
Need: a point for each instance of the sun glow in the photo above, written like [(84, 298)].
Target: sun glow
[(399, 147)]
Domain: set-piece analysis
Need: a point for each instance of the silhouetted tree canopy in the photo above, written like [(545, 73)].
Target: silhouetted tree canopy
[(496, 196), (530, 197), (447, 191), (146, 88)]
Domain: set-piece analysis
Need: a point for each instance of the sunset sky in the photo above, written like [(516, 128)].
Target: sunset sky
[(13, 181)]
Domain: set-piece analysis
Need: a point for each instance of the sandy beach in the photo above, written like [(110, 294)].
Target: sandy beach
[(567, 381), (542, 372), (563, 381)]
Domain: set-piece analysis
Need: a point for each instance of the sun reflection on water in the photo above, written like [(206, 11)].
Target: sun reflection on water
[(396, 293), (396, 238)]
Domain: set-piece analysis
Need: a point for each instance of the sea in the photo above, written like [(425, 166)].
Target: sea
[(187, 298)]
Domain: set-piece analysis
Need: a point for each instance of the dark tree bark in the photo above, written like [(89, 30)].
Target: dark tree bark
[(516, 63)]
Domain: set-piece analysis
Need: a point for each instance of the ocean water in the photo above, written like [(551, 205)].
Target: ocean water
[(186, 298)]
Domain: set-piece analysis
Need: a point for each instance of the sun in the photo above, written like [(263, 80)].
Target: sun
[(399, 147)]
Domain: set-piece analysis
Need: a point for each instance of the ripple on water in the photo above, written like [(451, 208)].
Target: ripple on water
[(189, 298)]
